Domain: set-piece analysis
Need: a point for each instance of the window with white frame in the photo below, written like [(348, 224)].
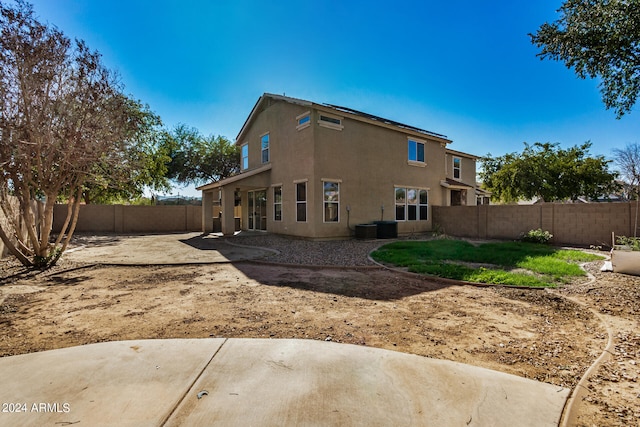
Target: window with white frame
[(244, 150), (416, 151), (331, 191), (412, 204), (277, 203), (456, 167), (423, 205), (301, 201), (264, 144), (401, 204), (304, 120), (329, 121)]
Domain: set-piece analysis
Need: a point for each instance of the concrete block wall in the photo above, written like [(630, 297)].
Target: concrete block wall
[(507, 222), (464, 219), (571, 224), (122, 219)]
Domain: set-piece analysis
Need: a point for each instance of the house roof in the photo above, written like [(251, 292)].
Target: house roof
[(355, 114), (452, 183), (462, 154), (234, 178), (383, 120)]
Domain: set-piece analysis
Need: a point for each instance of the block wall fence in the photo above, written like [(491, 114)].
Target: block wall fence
[(580, 224), (571, 224), (121, 219)]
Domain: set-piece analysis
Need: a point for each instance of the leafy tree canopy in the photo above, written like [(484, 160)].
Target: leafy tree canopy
[(548, 172), (124, 175), (65, 127), (598, 38), (196, 159)]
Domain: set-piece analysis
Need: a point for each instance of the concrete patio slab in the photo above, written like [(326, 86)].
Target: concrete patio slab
[(168, 249), (261, 382), (124, 383)]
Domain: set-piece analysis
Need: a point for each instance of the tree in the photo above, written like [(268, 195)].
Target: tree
[(62, 114), (142, 165), (547, 172), (197, 159), (628, 161), (598, 38)]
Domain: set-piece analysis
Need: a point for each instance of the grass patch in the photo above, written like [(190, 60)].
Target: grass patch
[(545, 265)]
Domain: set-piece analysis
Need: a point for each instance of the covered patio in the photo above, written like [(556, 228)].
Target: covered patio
[(239, 199)]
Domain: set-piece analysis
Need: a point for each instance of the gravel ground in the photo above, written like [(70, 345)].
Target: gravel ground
[(344, 253)]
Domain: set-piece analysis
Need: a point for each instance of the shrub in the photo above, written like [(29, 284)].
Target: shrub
[(632, 242), (536, 236)]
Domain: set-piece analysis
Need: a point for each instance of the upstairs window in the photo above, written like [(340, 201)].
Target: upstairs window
[(264, 144), (456, 167), (304, 120), (416, 151), (332, 122), (244, 156)]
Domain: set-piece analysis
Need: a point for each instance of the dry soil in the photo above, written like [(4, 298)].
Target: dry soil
[(535, 334)]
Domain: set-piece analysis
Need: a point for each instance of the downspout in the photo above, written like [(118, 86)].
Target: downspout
[(348, 217)]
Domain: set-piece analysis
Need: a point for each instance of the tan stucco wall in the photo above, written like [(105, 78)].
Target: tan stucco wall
[(371, 161), (368, 161)]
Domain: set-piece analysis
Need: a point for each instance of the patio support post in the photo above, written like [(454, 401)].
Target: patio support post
[(207, 212), (228, 203)]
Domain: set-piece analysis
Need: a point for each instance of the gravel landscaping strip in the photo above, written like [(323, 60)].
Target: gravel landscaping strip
[(342, 253)]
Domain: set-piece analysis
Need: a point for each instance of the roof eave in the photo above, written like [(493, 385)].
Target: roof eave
[(256, 108), (234, 178)]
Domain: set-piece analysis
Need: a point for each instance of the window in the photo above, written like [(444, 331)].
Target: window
[(304, 120), (401, 203), (245, 156), (423, 205), (332, 122), (416, 151), (277, 203), (411, 204), (264, 143), (331, 201), (456, 167), (301, 202)]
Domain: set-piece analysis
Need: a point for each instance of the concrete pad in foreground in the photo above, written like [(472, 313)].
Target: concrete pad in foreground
[(263, 382), (125, 383)]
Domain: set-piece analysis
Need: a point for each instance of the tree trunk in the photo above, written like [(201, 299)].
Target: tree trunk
[(13, 250), (72, 228), (46, 225)]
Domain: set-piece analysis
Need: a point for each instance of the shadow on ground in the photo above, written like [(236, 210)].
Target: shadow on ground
[(368, 283)]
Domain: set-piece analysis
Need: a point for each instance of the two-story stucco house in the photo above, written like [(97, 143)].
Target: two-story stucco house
[(317, 170)]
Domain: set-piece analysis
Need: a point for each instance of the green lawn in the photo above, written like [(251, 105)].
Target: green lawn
[(505, 263)]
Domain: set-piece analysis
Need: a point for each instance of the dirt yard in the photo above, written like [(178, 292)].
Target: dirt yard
[(531, 333)]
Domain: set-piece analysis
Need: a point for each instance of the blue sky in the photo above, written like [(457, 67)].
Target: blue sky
[(462, 68)]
